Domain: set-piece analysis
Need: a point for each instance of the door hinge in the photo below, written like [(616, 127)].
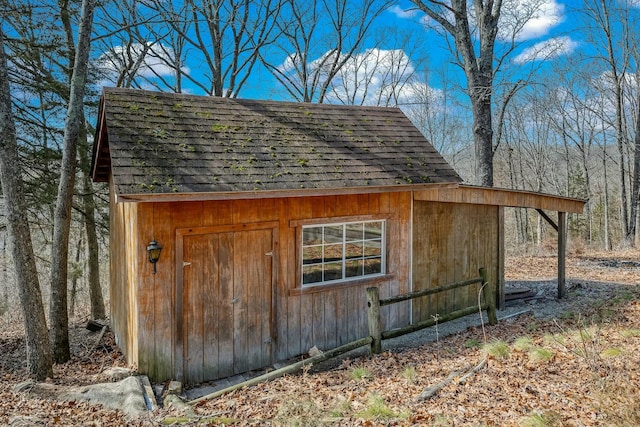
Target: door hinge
[(269, 253), (185, 263)]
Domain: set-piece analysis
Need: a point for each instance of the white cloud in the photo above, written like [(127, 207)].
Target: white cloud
[(547, 49), (384, 77), (150, 60), (373, 77), (527, 20), (548, 16), (403, 13), (519, 20)]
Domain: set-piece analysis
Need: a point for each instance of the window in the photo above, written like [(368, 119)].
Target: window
[(344, 251)]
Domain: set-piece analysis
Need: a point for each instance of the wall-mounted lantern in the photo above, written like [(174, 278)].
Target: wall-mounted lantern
[(154, 250)]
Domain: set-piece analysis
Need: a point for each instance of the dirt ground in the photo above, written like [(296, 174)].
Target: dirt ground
[(570, 362)]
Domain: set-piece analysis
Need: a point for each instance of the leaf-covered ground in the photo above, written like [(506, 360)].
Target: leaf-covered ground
[(575, 365)]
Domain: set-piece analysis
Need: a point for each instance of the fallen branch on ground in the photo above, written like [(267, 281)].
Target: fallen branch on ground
[(472, 371), (464, 375), (322, 356)]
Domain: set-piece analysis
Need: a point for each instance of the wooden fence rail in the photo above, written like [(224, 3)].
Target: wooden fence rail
[(374, 303)]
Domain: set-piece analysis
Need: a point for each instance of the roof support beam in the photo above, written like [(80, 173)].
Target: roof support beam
[(549, 220), (562, 250), (561, 228)]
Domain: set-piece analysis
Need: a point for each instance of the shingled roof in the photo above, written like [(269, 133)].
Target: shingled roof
[(161, 143)]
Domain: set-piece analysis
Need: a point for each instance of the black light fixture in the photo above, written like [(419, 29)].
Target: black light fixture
[(154, 250)]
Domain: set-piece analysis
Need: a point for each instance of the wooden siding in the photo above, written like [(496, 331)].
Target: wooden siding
[(122, 234), (450, 243), (302, 317)]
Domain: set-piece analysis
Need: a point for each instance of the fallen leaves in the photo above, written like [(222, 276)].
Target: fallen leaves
[(575, 366)]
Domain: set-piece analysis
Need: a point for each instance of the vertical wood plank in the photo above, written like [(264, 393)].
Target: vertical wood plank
[(211, 301), (217, 212), (193, 310), (402, 317), (420, 257), (475, 215), (433, 256), (118, 282), (308, 320), (562, 250), (266, 280), (267, 210), (225, 318), (460, 245), (164, 305), (253, 264), (245, 212), (318, 337), (240, 304), (287, 322), (144, 288), (182, 215), (500, 237)]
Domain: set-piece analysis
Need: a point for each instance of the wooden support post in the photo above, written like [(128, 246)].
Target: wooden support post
[(373, 317), (562, 250), (489, 297)]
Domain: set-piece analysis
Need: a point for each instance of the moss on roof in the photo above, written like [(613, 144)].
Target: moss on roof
[(155, 142)]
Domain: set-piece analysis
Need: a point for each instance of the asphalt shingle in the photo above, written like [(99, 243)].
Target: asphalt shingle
[(174, 143)]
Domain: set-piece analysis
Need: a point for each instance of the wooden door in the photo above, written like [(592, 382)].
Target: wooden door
[(227, 296)]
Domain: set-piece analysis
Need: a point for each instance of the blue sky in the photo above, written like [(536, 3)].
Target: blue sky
[(404, 37)]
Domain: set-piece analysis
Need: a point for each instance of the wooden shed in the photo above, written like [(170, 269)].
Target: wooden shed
[(273, 219)]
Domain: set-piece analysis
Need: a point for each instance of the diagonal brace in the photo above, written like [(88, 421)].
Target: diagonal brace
[(549, 220)]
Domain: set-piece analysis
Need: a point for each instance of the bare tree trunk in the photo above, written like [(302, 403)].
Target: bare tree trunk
[(76, 273), (58, 311), (607, 238), (483, 137), (635, 181), (453, 16), (5, 278), (39, 361), (89, 206)]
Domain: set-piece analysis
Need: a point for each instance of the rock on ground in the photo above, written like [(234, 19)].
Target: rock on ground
[(126, 395)]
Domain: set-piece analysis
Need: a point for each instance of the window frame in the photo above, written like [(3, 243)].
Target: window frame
[(343, 222)]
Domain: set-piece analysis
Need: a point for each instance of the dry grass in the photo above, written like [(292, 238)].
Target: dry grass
[(578, 369), (542, 372)]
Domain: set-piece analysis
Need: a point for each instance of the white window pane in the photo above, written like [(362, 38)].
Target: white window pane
[(312, 274), (332, 271), (372, 266), (353, 250), (354, 232), (311, 254), (372, 248), (335, 252), (311, 236), (373, 230), (353, 268), (333, 234), (332, 253)]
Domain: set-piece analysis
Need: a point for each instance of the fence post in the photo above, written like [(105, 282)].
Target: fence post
[(489, 298), (373, 317)]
